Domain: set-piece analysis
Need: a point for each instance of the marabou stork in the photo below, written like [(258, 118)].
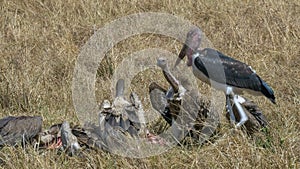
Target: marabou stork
[(239, 77)]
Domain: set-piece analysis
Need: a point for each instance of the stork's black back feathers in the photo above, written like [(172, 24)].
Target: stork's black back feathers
[(237, 74)]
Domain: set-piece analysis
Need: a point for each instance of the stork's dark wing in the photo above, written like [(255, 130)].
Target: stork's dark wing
[(237, 74)]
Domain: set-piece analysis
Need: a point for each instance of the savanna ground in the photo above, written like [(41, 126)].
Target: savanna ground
[(40, 41)]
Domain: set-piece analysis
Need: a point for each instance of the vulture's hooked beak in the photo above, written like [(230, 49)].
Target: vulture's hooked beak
[(181, 54)]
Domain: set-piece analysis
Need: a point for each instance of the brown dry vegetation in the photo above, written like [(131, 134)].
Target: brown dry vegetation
[(40, 41)]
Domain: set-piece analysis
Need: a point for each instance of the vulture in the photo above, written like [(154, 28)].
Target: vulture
[(21, 129)]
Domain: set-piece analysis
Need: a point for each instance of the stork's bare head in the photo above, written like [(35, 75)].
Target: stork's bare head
[(162, 63), (192, 43)]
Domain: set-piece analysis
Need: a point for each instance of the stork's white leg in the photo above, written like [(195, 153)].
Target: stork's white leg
[(229, 92), (243, 116), (240, 99)]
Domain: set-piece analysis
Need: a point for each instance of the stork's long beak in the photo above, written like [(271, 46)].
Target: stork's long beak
[(181, 54)]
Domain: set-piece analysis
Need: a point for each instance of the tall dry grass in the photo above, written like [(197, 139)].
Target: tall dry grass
[(40, 41)]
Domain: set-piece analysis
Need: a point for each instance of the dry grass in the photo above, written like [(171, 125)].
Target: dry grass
[(40, 41)]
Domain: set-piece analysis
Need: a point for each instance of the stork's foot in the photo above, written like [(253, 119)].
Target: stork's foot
[(242, 121)]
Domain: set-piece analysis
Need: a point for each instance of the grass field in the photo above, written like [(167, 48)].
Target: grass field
[(40, 41)]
